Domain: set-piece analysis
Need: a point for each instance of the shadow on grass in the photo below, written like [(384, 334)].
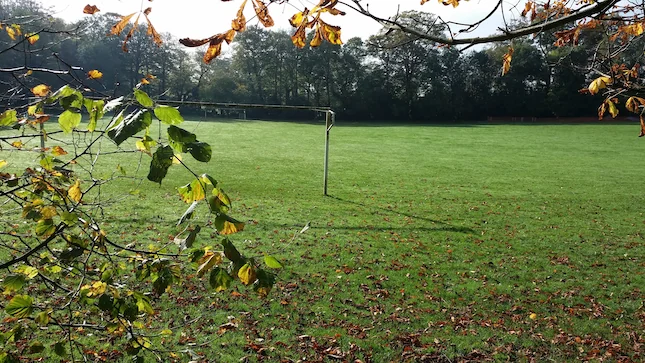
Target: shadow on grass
[(377, 210)]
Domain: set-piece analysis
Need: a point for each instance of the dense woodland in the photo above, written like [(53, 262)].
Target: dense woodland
[(383, 78)]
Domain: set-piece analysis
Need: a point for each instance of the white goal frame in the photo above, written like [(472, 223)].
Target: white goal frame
[(330, 121)]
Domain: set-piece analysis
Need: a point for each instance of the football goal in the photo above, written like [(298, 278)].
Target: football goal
[(241, 111)]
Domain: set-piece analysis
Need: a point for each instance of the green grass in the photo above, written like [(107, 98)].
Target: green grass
[(436, 242)]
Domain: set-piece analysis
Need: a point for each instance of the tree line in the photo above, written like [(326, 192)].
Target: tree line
[(386, 77)]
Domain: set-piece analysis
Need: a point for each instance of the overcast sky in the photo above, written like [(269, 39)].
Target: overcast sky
[(203, 18)]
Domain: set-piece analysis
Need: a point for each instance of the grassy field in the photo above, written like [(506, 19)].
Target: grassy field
[(437, 243)]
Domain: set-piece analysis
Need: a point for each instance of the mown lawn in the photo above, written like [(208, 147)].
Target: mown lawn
[(437, 243)]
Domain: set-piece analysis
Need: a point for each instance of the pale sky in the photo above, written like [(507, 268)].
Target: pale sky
[(203, 18)]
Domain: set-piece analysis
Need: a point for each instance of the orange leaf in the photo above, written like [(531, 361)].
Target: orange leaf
[(262, 12), (94, 74), (239, 23), (41, 90), (90, 9), (506, 61), (124, 47), (58, 151), (118, 27), (153, 32)]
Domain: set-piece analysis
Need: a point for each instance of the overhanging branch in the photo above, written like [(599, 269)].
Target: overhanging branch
[(598, 8)]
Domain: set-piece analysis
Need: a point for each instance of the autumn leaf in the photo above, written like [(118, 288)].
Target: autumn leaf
[(641, 134), (90, 9), (330, 33), (94, 74), (239, 23), (130, 34), (262, 13), (611, 105), (454, 3), (74, 192), (118, 27), (506, 61), (247, 274), (300, 37), (601, 110), (58, 151), (527, 7), (3, 163), (32, 38), (13, 31), (17, 144), (633, 103), (41, 90), (209, 260), (599, 83), (156, 38)]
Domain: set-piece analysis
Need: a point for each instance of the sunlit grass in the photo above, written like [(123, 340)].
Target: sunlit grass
[(435, 241)]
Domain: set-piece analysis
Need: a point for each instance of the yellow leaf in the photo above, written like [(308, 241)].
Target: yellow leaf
[(94, 74), (331, 33), (247, 274), (3, 163), (32, 38), (17, 144), (176, 159), (74, 192), (299, 37), (97, 289), (533, 316), (48, 212), (506, 61), (209, 260), (41, 90), (599, 83), (317, 39), (601, 110), (633, 103), (613, 110)]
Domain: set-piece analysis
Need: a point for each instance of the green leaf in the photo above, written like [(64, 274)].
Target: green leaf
[(62, 92), (45, 227), (8, 358), (42, 318), (47, 162), (69, 218), (132, 124), (95, 109), (73, 102), (143, 98), (106, 302), (60, 350), (272, 262), (188, 214), (219, 279), (20, 306), (264, 283), (121, 170), (192, 236), (8, 118), (68, 120), (143, 303), (168, 115), (201, 151), (161, 161), (231, 252), (178, 138), (13, 283), (36, 347)]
